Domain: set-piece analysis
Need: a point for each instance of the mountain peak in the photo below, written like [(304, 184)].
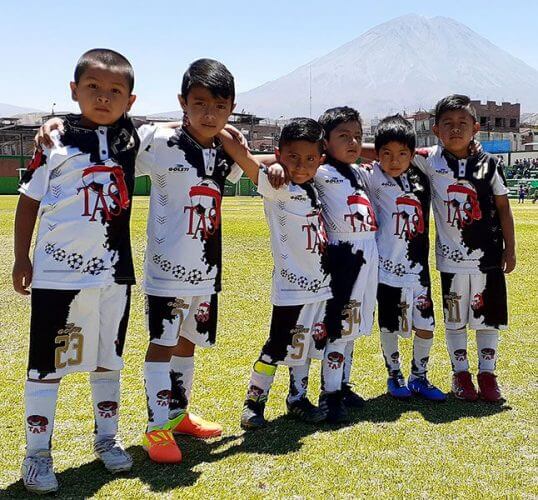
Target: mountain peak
[(405, 63)]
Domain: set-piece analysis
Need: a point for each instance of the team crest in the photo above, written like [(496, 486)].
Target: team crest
[(478, 302), (202, 314), (462, 204), (204, 211), (37, 424), (107, 409), (408, 218), (361, 214), (335, 360)]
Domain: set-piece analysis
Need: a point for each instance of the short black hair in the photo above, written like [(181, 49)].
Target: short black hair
[(395, 128), (302, 129), (210, 74), (454, 102), (333, 117), (110, 59)]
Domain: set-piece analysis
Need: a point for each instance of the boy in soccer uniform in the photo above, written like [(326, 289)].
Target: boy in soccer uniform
[(183, 264), (352, 256), (475, 243), (400, 193), (82, 271), (300, 285)]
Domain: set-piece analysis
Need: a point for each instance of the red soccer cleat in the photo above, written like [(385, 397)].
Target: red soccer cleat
[(488, 387), (463, 387)]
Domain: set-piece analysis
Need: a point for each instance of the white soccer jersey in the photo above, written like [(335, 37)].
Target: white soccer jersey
[(184, 246), (469, 237), (402, 208), (84, 184), (298, 242), (347, 212)]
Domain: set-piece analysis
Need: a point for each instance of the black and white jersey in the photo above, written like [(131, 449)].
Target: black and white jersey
[(402, 208), (298, 243), (469, 237), (84, 184), (347, 212), (184, 238)]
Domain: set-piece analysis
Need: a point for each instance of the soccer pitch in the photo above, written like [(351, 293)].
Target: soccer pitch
[(391, 449)]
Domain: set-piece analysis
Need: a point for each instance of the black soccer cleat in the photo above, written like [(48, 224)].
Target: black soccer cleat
[(351, 399), (252, 415), (304, 410), (332, 405)]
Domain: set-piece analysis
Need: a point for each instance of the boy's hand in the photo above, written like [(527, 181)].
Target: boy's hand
[(508, 262), (277, 175), (22, 275), (43, 138), (236, 134)]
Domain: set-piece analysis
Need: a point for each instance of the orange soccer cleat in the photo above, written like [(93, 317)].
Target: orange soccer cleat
[(195, 426), (161, 446)]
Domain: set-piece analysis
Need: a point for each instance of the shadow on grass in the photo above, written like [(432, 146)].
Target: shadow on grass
[(282, 435)]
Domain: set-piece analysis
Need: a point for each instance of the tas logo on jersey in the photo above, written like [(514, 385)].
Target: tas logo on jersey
[(204, 212), (101, 195), (107, 409), (316, 238), (37, 424), (462, 205), (361, 214), (202, 314), (408, 218)]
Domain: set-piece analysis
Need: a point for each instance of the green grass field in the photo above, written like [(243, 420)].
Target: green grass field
[(391, 449)]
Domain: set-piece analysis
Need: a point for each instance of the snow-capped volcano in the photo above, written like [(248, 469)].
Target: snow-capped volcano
[(407, 63)]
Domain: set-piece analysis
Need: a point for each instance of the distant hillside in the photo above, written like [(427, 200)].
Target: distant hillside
[(8, 110)]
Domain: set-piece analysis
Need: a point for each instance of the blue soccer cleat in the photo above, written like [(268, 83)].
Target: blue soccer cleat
[(396, 386), (421, 386)]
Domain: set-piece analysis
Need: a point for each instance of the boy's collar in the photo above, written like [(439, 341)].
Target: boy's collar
[(183, 130), (72, 120), (331, 160)]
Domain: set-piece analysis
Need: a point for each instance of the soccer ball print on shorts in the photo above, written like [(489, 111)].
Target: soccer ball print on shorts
[(296, 334), (194, 318), (77, 330), (400, 310)]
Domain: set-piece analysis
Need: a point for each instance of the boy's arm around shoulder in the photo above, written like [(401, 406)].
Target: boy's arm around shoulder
[(241, 155)]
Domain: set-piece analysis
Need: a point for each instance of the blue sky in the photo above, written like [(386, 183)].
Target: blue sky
[(258, 41)]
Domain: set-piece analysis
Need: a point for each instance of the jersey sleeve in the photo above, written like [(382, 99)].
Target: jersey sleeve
[(365, 174), (498, 182), (146, 133), (35, 181), (235, 174), (420, 160), (146, 153), (265, 188)]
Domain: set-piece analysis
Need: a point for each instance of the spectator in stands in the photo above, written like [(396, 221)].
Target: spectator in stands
[(521, 194)]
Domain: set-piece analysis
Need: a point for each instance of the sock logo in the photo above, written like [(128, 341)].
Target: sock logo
[(254, 392), (460, 354), (395, 357), (107, 409), (488, 353), (335, 360), (163, 397), (37, 424)]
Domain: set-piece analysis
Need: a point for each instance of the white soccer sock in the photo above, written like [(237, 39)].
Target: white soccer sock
[(332, 367), (421, 356), (181, 377), (157, 385), (40, 401), (389, 347), (348, 362), (261, 380), (298, 381), (456, 342), (106, 402), (487, 343)]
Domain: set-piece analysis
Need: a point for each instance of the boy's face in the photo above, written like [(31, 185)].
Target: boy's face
[(207, 114), (103, 95), (345, 142), (395, 158), (301, 160), (456, 130)]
